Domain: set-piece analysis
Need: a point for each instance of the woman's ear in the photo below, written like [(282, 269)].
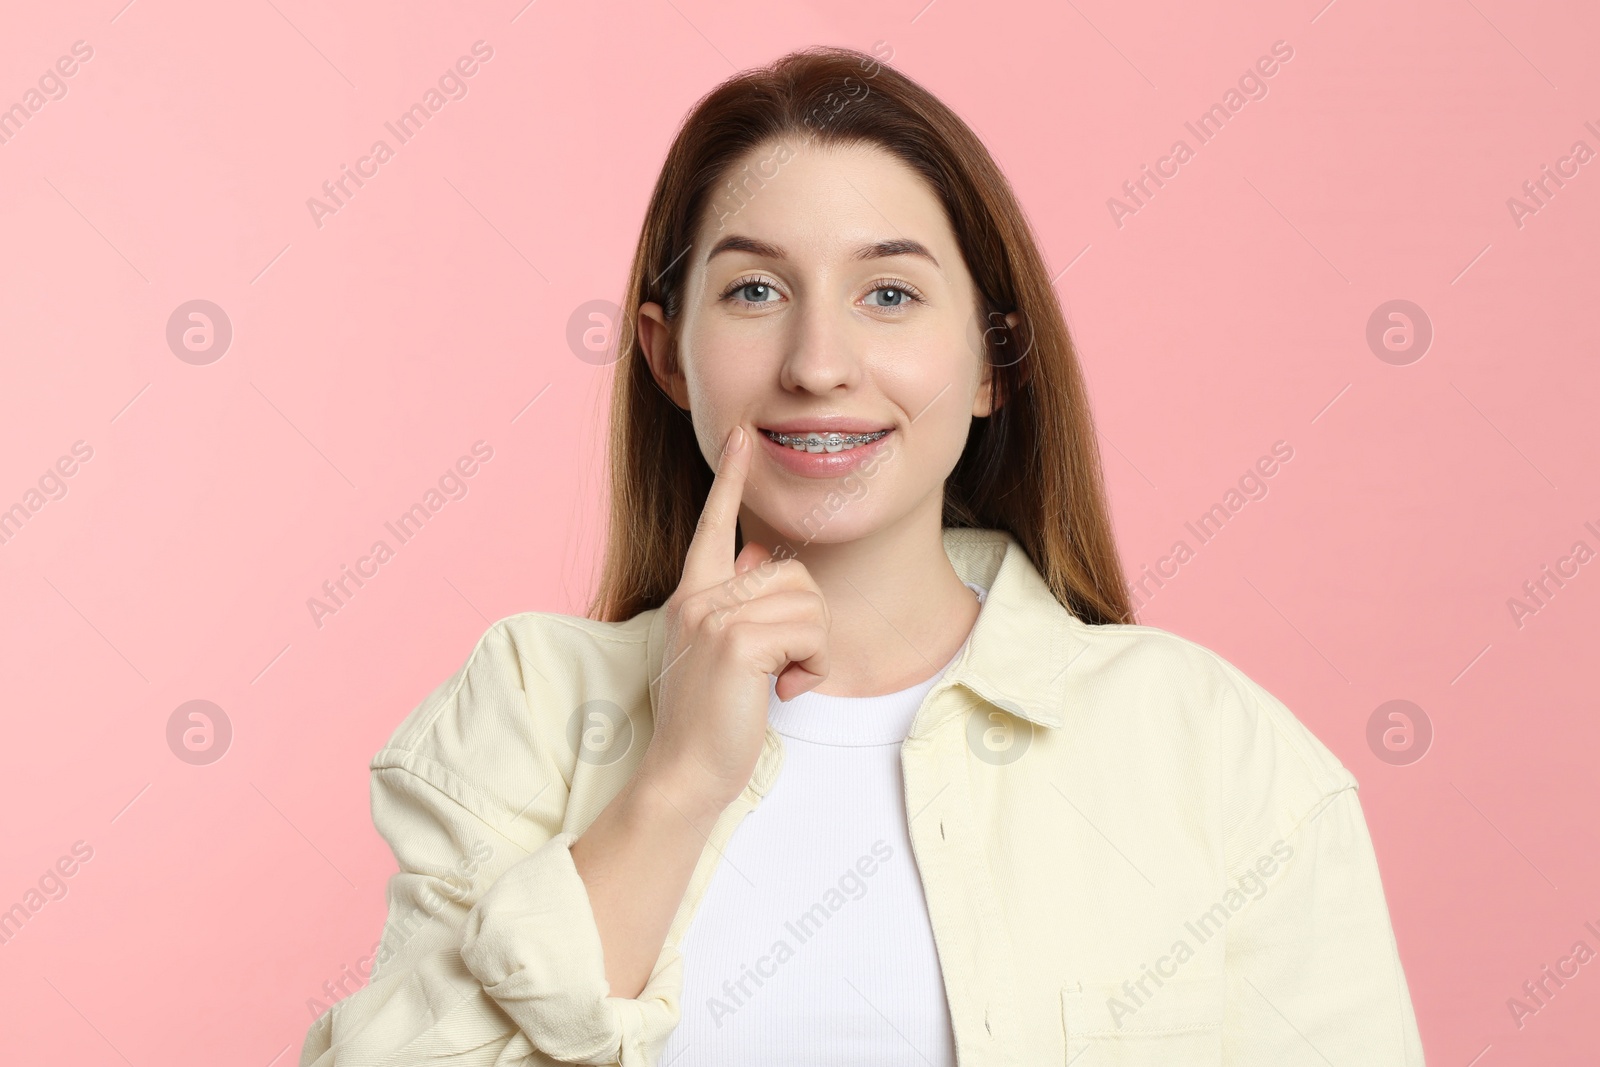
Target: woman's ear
[(986, 402), (655, 340), (990, 398)]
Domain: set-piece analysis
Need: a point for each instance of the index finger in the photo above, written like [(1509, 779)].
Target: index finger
[(709, 560)]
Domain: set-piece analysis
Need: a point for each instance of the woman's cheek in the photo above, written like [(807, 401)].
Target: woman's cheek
[(715, 398)]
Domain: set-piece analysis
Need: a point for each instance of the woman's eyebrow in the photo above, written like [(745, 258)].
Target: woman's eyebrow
[(900, 246)]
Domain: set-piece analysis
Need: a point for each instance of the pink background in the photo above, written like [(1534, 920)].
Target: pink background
[(1228, 313)]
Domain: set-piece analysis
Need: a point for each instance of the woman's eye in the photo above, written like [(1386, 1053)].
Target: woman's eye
[(895, 296), (754, 292)]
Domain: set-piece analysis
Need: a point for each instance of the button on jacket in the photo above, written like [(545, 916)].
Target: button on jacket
[(1130, 852)]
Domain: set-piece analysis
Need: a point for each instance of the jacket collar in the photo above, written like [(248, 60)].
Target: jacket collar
[(1021, 646)]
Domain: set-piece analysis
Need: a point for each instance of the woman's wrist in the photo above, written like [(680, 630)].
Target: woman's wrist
[(658, 794)]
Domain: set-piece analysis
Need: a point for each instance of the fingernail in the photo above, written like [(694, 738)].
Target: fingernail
[(735, 441)]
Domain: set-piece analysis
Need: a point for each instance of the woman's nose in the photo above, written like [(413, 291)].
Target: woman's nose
[(822, 352)]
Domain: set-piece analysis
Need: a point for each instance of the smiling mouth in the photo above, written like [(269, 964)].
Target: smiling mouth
[(824, 442)]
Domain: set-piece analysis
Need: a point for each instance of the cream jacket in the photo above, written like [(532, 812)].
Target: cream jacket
[(1132, 854)]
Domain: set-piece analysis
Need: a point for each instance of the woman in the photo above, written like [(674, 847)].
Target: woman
[(861, 756)]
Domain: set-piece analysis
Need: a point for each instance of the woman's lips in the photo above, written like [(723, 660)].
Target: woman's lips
[(822, 464)]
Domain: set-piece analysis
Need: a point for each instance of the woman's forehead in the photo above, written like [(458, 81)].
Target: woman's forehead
[(825, 203)]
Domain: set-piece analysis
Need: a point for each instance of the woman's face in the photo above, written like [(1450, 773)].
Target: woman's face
[(831, 296)]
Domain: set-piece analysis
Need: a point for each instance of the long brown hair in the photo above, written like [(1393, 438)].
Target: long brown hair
[(1031, 468)]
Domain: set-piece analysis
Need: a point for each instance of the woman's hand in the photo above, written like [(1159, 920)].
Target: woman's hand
[(732, 621)]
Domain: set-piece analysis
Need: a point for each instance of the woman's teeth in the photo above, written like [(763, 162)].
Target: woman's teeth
[(824, 442)]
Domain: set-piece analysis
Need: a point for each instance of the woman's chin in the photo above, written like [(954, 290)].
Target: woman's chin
[(820, 517)]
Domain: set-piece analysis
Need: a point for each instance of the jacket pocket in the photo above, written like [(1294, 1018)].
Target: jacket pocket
[(1178, 1025)]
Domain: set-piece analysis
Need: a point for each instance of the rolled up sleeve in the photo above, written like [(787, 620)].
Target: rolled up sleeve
[(476, 976), (533, 943), (490, 955)]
